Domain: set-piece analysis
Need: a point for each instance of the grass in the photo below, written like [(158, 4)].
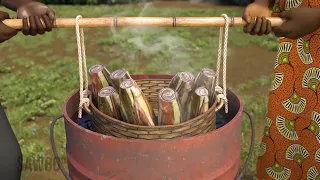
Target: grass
[(39, 73), (257, 107)]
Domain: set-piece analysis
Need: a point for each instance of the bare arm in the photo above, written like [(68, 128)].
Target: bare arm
[(14, 4)]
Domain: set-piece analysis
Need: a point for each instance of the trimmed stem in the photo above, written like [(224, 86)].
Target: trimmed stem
[(118, 76), (135, 108), (168, 108), (207, 78), (182, 83), (108, 102), (98, 77), (198, 103)]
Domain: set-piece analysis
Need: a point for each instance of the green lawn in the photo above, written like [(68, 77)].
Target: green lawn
[(39, 73)]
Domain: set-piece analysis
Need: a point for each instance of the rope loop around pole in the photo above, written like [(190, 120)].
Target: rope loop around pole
[(83, 74), (222, 52)]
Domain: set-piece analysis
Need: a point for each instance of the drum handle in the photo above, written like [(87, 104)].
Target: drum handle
[(54, 149), (246, 163)]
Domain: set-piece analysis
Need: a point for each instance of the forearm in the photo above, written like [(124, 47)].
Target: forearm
[(13, 4)]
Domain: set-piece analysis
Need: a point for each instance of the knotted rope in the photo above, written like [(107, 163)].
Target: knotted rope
[(223, 46), (83, 73)]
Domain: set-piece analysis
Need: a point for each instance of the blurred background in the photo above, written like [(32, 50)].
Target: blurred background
[(37, 74), (110, 2)]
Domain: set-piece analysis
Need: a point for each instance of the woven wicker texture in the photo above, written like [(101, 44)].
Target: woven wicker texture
[(150, 86)]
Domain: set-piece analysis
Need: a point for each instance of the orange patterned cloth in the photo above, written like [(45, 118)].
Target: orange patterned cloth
[(290, 147)]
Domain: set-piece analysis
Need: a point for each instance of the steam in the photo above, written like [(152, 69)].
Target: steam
[(169, 46)]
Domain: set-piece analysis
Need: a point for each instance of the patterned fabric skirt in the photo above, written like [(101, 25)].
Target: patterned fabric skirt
[(290, 147)]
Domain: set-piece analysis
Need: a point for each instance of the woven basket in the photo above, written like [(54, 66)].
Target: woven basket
[(151, 85)]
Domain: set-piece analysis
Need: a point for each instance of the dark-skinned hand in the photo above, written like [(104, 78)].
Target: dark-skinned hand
[(299, 22), (32, 13), (255, 16), (5, 31)]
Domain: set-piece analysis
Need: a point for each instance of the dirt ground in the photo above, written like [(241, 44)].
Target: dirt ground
[(244, 62)]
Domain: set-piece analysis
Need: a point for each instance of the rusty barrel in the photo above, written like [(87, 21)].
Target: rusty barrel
[(215, 155)]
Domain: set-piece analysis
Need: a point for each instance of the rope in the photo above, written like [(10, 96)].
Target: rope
[(82, 67), (223, 46)]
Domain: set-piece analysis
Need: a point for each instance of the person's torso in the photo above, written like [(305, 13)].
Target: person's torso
[(284, 5)]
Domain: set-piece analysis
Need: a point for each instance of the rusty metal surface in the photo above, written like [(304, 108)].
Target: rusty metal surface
[(215, 155)]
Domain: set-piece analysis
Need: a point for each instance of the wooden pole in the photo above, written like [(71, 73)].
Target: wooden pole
[(144, 22)]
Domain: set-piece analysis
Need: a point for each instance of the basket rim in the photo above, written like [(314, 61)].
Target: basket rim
[(212, 108)]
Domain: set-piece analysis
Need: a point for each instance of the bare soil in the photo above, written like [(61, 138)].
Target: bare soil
[(249, 63)]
